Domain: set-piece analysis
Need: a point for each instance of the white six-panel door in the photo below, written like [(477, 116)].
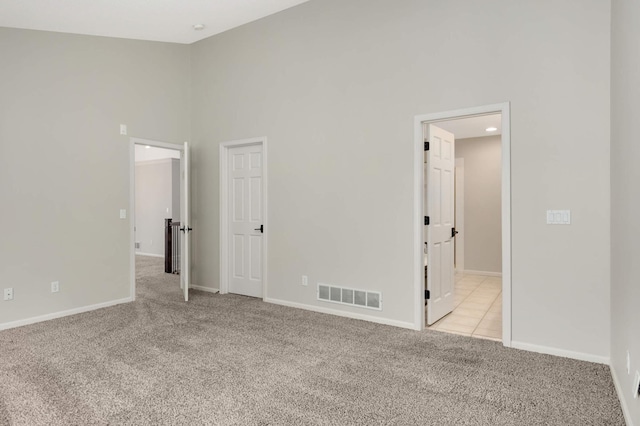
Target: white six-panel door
[(185, 225), (245, 213), (439, 206)]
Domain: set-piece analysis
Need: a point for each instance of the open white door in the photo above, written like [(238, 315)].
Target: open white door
[(185, 225), (440, 231)]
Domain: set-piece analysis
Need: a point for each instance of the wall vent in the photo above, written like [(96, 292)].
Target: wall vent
[(350, 296)]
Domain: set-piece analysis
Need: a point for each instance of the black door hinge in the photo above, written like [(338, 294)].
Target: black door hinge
[(426, 145), (427, 295), (426, 220)]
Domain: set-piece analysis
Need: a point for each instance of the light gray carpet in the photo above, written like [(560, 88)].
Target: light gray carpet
[(233, 360)]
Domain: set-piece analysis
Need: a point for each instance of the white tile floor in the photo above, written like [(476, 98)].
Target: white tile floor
[(478, 308)]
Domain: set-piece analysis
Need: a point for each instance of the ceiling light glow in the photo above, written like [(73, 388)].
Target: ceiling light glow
[(198, 27), (491, 129)]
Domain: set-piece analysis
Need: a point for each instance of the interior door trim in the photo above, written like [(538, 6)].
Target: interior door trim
[(418, 196), (132, 200), (224, 211)]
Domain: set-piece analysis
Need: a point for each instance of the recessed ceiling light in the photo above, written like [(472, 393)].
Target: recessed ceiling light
[(491, 129), (147, 146), (198, 27)]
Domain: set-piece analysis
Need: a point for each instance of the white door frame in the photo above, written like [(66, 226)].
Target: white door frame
[(132, 199), (224, 210), (418, 196), (459, 241)]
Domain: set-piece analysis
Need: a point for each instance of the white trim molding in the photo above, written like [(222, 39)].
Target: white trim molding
[(132, 201), (459, 214), (224, 215), (154, 162), (149, 254), (483, 273), (60, 314), (623, 401), (418, 196), (207, 289), (345, 314), (581, 356)]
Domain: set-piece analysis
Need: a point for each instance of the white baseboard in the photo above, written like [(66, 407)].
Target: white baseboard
[(483, 273), (623, 401), (345, 314), (560, 352), (60, 314), (207, 289), (149, 254)]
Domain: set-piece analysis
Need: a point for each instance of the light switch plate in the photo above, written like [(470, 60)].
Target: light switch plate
[(558, 217), (123, 129), (123, 213)]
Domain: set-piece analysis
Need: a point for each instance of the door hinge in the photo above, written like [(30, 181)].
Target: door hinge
[(427, 295), (426, 145), (426, 220)]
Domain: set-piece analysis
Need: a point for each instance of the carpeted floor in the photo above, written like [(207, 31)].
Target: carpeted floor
[(232, 360)]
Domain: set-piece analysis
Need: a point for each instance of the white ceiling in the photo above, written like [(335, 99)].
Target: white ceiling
[(473, 127), (152, 153), (158, 20)]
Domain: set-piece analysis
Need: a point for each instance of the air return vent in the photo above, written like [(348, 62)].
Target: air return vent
[(350, 296)]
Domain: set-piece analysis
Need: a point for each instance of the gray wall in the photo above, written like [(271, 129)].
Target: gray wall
[(335, 86), (482, 202), (64, 168), (176, 186), (625, 199), (157, 196)]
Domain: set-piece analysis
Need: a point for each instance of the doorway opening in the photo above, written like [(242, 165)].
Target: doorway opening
[(159, 215), (463, 205), (243, 217)]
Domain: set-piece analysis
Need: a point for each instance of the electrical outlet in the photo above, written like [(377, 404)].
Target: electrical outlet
[(636, 385), (305, 280), (628, 362), (8, 294), (55, 287)]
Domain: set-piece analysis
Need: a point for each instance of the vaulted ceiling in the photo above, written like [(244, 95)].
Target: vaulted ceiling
[(158, 20)]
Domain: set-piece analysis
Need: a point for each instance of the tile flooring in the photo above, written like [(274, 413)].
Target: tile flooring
[(478, 308)]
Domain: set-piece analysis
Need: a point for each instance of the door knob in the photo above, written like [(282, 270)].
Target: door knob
[(261, 229)]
